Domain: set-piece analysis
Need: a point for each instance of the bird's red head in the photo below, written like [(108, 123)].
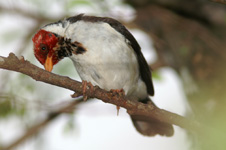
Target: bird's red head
[(45, 44)]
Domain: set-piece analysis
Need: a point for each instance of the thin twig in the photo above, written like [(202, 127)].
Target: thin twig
[(27, 13), (219, 1), (36, 128)]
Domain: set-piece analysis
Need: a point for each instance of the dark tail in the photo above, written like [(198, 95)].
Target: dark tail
[(152, 127)]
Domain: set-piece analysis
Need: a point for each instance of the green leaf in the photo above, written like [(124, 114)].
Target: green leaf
[(69, 126), (5, 107), (9, 106), (156, 75), (184, 50), (74, 3)]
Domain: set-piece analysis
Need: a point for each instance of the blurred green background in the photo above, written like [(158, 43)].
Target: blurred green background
[(183, 41)]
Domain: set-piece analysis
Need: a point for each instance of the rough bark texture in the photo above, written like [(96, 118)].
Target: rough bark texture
[(146, 111)]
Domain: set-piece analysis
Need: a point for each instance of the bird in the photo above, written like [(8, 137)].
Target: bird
[(105, 54)]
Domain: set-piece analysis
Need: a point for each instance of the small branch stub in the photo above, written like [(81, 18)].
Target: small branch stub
[(2, 60)]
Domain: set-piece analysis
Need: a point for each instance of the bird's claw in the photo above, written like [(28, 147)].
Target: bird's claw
[(119, 92), (117, 107), (84, 89)]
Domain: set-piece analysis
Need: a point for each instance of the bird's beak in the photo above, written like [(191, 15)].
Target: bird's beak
[(49, 63)]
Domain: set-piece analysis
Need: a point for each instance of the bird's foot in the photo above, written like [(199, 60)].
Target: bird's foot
[(117, 107), (119, 92), (84, 89)]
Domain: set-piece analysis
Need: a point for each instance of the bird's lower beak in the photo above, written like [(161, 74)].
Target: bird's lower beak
[(49, 63)]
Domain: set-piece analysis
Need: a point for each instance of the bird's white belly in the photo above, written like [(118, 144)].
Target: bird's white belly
[(109, 62), (108, 73)]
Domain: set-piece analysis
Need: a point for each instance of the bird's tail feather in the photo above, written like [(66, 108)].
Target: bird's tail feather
[(153, 126)]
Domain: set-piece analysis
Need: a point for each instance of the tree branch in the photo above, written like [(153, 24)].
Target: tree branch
[(219, 1), (145, 111)]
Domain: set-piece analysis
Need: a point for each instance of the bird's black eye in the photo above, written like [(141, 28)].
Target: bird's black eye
[(43, 47)]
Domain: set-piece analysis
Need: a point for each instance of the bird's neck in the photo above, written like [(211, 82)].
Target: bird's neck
[(65, 48)]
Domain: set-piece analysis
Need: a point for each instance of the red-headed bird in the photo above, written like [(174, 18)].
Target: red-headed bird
[(104, 53)]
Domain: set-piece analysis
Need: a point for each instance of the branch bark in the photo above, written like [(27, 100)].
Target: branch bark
[(145, 111)]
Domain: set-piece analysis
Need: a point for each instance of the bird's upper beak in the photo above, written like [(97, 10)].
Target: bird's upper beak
[(49, 63)]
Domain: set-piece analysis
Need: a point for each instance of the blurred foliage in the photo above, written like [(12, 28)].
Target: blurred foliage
[(193, 41), (156, 75), (10, 36), (72, 4), (14, 86), (70, 125), (10, 105)]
